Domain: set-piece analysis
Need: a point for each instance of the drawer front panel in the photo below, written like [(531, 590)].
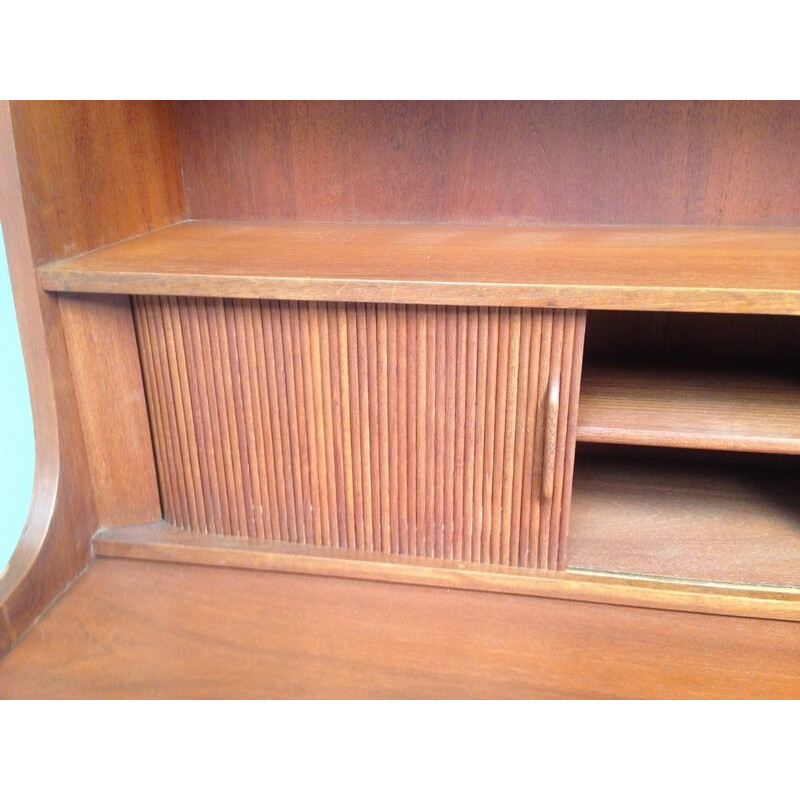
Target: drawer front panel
[(444, 432)]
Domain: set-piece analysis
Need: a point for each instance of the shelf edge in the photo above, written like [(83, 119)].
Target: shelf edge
[(163, 542), (608, 298), (645, 438)]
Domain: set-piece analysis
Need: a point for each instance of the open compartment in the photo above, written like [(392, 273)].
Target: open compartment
[(687, 514), (688, 457), (706, 381)]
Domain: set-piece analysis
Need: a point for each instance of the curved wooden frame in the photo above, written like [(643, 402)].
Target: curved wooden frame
[(55, 545), (80, 353)]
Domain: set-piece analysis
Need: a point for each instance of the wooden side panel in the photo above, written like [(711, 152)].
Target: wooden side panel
[(95, 173), (104, 363), (54, 546), (76, 176), (638, 163), (426, 431)]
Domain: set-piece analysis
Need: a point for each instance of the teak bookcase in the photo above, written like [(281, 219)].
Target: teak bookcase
[(537, 349)]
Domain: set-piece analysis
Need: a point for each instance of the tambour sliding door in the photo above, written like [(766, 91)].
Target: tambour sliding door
[(446, 432)]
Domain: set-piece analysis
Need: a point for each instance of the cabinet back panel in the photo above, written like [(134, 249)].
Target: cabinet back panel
[(635, 163), (397, 429), (654, 337)]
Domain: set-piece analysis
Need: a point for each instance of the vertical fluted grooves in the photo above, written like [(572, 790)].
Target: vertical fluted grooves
[(398, 429)]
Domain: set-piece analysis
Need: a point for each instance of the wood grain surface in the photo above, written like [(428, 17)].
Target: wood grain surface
[(107, 375), (590, 163), (698, 269), (54, 545), (702, 408), (300, 421), (732, 517), (160, 541), (711, 341), (354, 426), (96, 172), (76, 176), (131, 629)]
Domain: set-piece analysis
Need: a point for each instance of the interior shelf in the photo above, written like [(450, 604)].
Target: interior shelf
[(664, 268), (732, 517), (693, 407)]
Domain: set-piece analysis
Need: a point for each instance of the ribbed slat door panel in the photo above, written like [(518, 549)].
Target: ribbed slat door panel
[(445, 432)]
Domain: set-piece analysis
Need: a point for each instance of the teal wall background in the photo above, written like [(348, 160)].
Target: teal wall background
[(16, 423)]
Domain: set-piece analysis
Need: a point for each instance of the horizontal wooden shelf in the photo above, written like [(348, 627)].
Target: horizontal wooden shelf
[(684, 407), (162, 542), (732, 518), (655, 268)]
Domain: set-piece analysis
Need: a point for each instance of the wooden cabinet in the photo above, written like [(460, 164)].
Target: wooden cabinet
[(448, 431), (454, 351)]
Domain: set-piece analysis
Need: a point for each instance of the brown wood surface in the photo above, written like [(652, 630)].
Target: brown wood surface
[(54, 545), (231, 398), (570, 419), (107, 377), (76, 176), (733, 518), (607, 163), (693, 339), (160, 541), (328, 421), (690, 407), (131, 629), (698, 269), (96, 172)]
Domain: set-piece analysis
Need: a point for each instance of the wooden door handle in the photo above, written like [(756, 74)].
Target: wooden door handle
[(550, 437)]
